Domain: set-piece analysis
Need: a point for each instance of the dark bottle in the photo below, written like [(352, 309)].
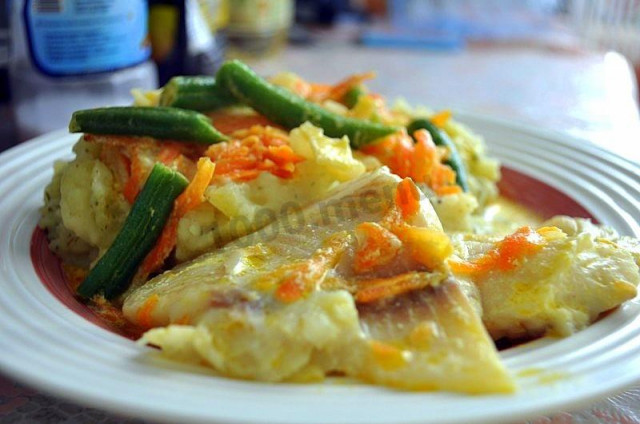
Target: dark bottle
[(182, 41), (7, 128)]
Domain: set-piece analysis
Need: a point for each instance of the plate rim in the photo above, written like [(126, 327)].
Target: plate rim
[(77, 397)]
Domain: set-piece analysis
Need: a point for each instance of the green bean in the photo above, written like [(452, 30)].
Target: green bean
[(140, 231), (289, 110), (352, 96), (158, 122), (199, 93)]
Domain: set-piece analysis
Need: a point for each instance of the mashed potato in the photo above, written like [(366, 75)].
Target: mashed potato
[(83, 218), (84, 207), (236, 209)]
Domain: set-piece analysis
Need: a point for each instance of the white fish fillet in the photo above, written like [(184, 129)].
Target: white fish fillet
[(560, 289), (220, 310)]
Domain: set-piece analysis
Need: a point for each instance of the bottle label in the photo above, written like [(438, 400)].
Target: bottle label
[(77, 37)]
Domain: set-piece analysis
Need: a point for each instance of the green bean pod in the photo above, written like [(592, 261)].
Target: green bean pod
[(144, 224), (200, 93), (352, 96), (290, 110), (158, 122), (440, 138)]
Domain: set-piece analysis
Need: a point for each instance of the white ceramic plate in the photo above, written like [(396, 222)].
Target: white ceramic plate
[(46, 344)]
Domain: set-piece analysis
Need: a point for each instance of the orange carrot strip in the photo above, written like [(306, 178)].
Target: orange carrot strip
[(117, 162), (381, 288), (378, 247), (447, 190), (441, 118), (303, 88), (283, 155), (505, 256), (387, 356), (168, 154), (228, 122), (422, 160), (317, 91), (74, 275), (193, 195), (407, 198), (244, 175), (136, 174), (338, 91), (183, 320), (513, 248), (144, 313), (289, 291), (257, 149), (190, 198), (464, 267), (425, 158)]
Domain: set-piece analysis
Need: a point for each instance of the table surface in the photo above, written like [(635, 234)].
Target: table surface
[(591, 96)]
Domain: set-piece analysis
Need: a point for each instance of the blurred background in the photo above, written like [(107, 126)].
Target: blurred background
[(565, 65), (569, 66)]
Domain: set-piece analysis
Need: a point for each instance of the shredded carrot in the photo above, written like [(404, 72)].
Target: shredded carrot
[(298, 279), (448, 189), (193, 195), (130, 158), (381, 288), (117, 162), (407, 198), (144, 313), (136, 175), (437, 175), (395, 151), (427, 246), (183, 320), (387, 356), (256, 149), (168, 154), (303, 88), (113, 316), (228, 122), (189, 199), (378, 248), (441, 118), (338, 91), (289, 291), (122, 141), (506, 255), (317, 92), (422, 160), (74, 275)]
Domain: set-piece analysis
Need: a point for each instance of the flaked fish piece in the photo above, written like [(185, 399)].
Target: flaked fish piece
[(431, 339), (558, 288), (287, 303), (185, 292), (576, 226)]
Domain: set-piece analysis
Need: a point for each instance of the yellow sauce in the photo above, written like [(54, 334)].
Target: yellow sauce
[(504, 216), (542, 376)]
